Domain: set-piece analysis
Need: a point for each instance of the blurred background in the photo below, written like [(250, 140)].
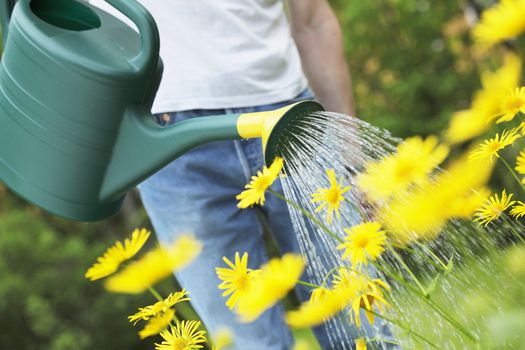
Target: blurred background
[(412, 65)]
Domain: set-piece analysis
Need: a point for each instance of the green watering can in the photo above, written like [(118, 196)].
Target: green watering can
[(76, 89), (5, 12)]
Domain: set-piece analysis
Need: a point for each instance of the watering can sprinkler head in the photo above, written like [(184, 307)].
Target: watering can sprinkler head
[(275, 127), (76, 90)]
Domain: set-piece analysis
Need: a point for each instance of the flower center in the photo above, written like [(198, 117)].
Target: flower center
[(344, 282), (241, 282), (179, 344), (498, 209), (515, 103), (332, 196), (262, 184), (361, 241), (494, 147)]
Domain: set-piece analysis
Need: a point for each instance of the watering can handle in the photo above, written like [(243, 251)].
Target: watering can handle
[(6, 7), (149, 34)]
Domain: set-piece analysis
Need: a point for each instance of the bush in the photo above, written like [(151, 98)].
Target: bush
[(410, 63), (45, 301)]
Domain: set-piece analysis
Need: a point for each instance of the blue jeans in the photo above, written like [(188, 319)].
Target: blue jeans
[(196, 194)]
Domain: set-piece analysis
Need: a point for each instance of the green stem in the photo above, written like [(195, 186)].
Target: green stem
[(308, 284), (325, 279), (382, 340), (398, 278), (431, 253), (157, 296), (429, 260), (307, 214), (426, 299), (451, 320), (418, 252), (514, 175), (405, 328), (363, 216), (408, 270)]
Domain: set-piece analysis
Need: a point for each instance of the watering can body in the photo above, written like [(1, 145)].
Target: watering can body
[(76, 89), (69, 75), (6, 6)]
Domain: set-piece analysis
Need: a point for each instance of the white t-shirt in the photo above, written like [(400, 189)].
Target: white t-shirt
[(223, 53)]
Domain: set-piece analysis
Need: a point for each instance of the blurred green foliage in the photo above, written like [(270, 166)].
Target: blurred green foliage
[(45, 301), (487, 296), (410, 62)]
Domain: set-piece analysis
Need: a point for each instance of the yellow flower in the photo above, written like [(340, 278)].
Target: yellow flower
[(110, 261), (518, 210), (417, 214), (486, 103), (223, 337), (234, 279), (493, 208), (145, 313), (154, 266), (343, 279), (363, 241), (490, 148), (414, 160), (318, 293), (368, 293), (466, 204), (496, 84), (363, 292), (461, 188), (157, 324), (360, 344), (346, 280), (512, 104), (254, 193), (520, 163), (503, 21), (184, 336), (274, 280), (330, 197), (315, 312), (421, 212), (465, 125)]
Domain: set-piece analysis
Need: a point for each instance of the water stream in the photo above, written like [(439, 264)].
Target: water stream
[(345, 144)]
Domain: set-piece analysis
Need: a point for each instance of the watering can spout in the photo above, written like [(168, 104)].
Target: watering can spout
[(142, 147)]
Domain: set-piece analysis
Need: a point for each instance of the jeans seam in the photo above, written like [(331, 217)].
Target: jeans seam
[(242, 160), (240, 153)]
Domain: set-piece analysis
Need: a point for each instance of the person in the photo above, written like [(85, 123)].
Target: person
[(232, 56)]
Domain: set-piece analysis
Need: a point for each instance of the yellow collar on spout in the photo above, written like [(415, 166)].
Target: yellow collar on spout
[(260, 124)]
